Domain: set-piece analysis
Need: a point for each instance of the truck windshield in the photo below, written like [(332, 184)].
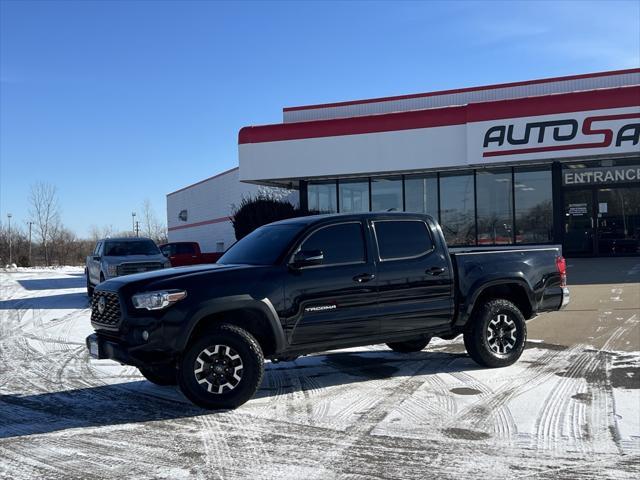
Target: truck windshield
[(263, 246), (135, 247)]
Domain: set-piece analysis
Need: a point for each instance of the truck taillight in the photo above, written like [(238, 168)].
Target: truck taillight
[(561, 265)]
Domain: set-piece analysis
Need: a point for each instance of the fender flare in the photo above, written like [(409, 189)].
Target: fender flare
[(235, 302), (471, 303)]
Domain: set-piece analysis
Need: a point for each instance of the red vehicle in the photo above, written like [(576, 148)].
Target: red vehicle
[(187, 253)]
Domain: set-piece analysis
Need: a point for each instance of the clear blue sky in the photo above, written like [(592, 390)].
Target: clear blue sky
[(115, 102)]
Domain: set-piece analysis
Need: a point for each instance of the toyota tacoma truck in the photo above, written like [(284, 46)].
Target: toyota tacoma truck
[(318, 283), (113, 257)]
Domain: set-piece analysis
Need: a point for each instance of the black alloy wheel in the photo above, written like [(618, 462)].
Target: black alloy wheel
[(222, 369), (496, 334)]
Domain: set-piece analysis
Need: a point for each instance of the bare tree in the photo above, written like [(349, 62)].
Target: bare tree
[(151, 226), (97, 233), (45, 214)]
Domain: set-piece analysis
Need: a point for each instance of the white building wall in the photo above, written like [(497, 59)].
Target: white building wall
[(354, 154), (208, 205), (432, 148)]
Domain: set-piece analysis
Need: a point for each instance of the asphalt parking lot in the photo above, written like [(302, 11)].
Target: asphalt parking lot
[(570, 408)]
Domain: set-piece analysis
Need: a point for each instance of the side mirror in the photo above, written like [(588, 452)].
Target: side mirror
[(307, 258), (96, 258)]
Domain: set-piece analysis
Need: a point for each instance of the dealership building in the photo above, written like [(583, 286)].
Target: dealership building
[(202, 212), (545, 161), (554, 160)]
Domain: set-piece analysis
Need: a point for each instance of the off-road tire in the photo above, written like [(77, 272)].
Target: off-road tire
[(160, 375), (410, 346), (240, 343), (477, 336), (89, 287)]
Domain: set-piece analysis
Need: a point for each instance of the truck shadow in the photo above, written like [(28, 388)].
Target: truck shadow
[(48, 302), (53, 283), (141, 401)]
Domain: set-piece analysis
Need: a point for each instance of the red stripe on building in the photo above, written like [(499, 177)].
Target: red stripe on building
[(462, 90), (355, 125), (438, 117), (199, 224)]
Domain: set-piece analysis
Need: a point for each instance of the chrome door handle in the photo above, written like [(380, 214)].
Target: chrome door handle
[(364, 277), (435, 270)]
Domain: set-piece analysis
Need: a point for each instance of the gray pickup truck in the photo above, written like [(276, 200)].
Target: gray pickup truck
[(114, 257)]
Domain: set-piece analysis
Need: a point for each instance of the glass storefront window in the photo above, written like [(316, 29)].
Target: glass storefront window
[(421, 195), (495, 207), (534, 206), (322, 197), (386, 194), (354, 196), (457, 211)]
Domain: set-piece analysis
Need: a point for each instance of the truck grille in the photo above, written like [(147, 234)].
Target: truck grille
[(129, 268), (110, 314)]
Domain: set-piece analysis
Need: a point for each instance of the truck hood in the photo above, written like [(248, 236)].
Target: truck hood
[(168, 273)]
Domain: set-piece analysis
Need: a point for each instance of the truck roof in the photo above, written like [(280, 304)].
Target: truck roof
[(310, 219), (124, 239)]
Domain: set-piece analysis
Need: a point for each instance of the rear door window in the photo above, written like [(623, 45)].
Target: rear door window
[(398, 239), (185, 249), (342, 243)]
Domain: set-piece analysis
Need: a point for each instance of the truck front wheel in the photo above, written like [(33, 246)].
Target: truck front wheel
[(89, 287), (496, 334), (222, 369)]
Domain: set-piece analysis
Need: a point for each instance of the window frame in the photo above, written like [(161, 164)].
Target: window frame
[(393, 259), (359, 180), (298, 247), (330, 183)]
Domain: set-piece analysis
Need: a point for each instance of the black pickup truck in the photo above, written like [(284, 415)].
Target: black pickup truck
[(318, 283)]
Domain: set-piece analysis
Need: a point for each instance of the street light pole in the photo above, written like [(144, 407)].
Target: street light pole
[(30, 223), (9, 217), (137, 229), (133, 221)]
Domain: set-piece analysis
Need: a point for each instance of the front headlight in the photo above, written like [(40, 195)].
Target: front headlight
[(112, 270), (157, 300)]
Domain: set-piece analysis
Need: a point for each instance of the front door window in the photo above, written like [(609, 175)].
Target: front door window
[(578, 222), (602, 221)]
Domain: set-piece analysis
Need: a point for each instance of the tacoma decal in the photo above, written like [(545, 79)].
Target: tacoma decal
[(321, 308)]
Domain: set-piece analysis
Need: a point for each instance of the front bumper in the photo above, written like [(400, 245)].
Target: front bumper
[(101, 348), (565, 298), (107, 348)]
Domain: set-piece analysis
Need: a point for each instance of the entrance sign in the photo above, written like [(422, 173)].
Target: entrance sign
[(577, 209), (601, 175)]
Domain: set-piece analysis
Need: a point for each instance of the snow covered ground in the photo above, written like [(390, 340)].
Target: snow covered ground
[(565, 410)]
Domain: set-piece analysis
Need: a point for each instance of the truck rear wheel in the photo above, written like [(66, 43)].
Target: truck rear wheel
[(496, 334), (160, 375), (222, 369), (409, 346)]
